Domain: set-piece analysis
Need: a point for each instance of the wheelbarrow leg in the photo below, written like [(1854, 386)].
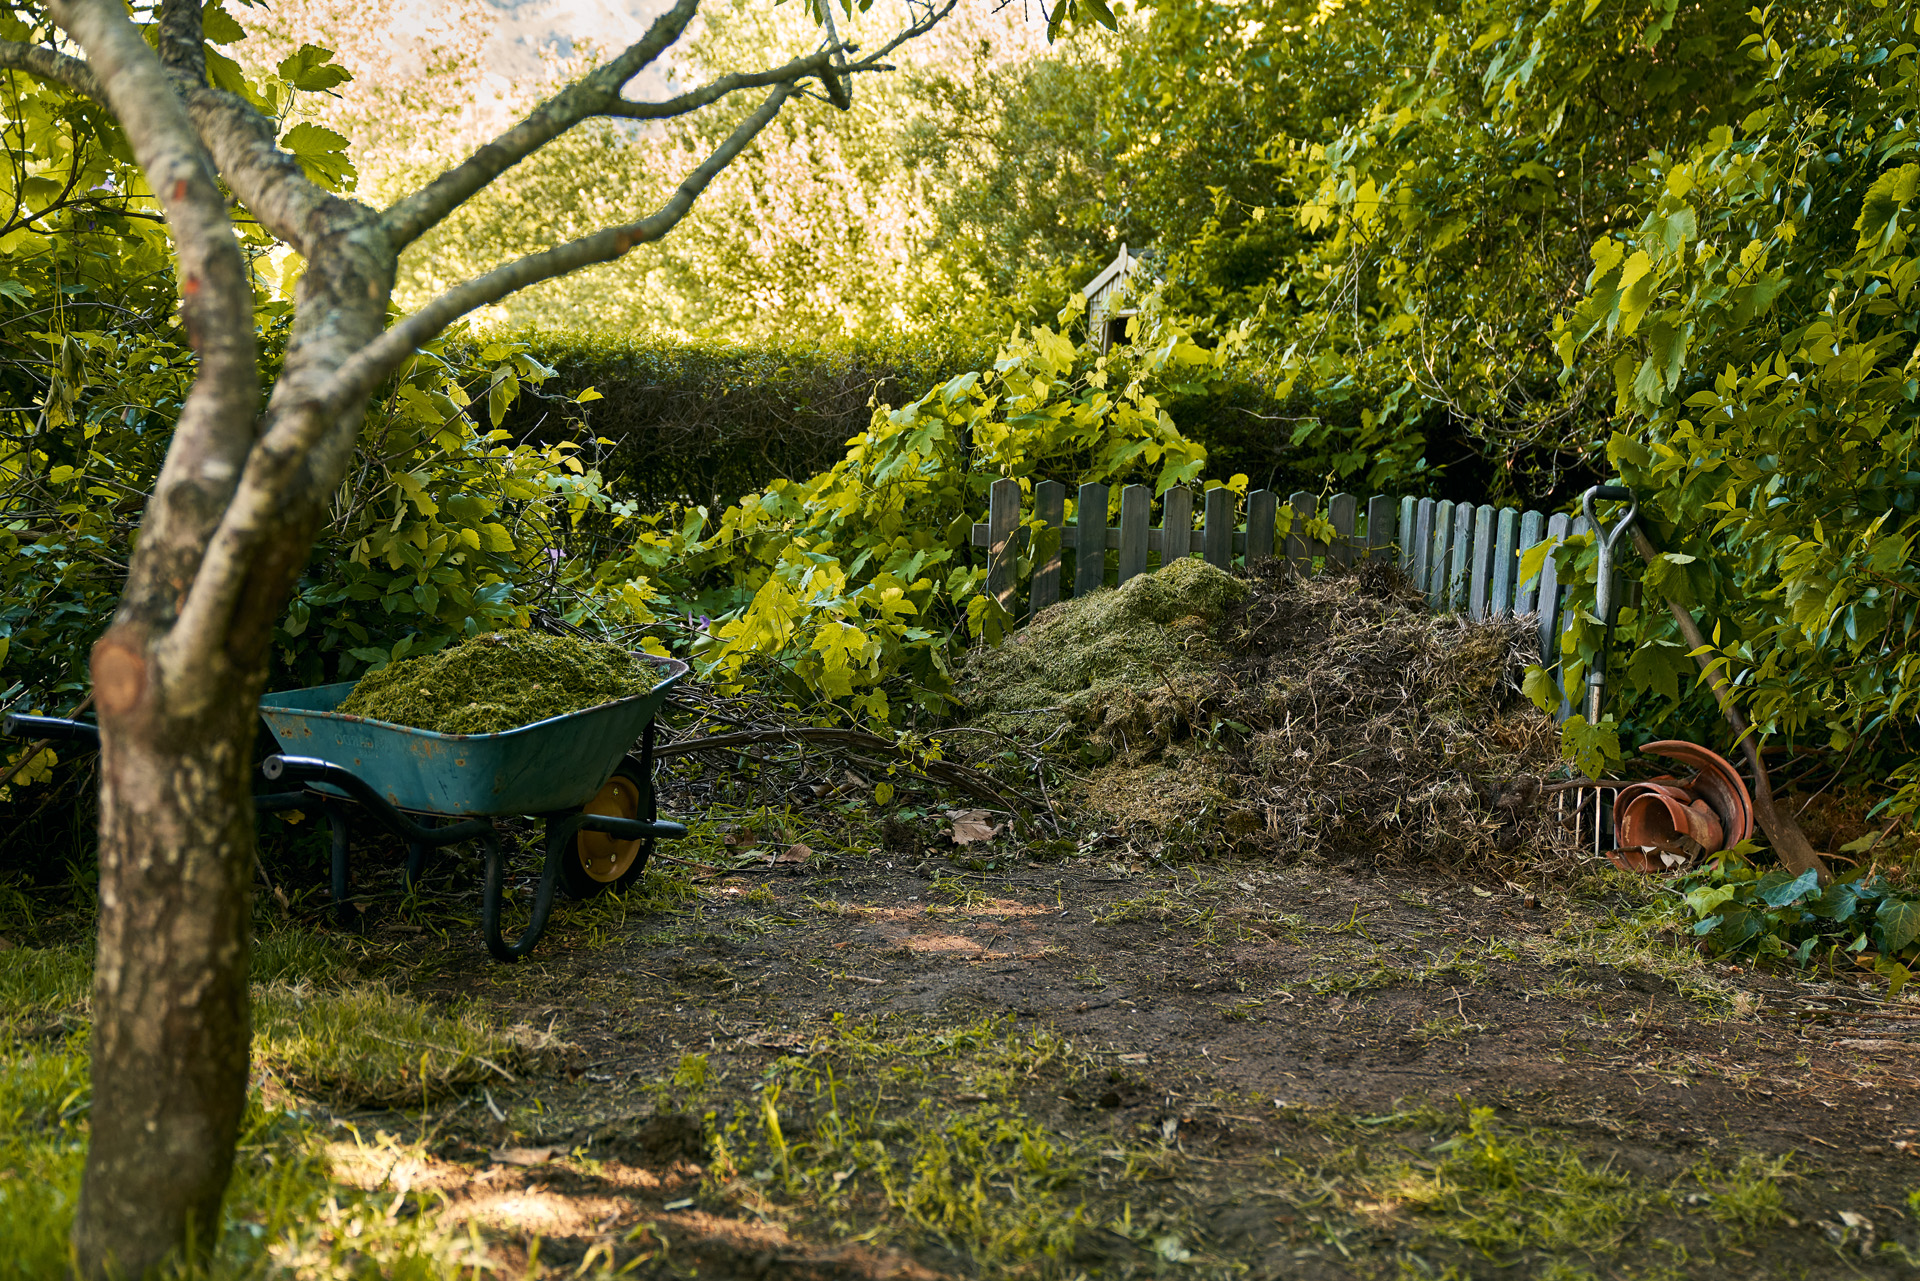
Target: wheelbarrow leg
[(560, 834), (416, 863), (343, 909)]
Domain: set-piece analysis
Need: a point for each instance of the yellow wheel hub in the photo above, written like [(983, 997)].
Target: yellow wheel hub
[(603, 857)]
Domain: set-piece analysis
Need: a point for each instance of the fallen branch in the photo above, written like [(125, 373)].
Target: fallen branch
[(975, 783)]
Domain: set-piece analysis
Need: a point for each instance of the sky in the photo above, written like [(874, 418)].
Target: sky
[(528, 26)]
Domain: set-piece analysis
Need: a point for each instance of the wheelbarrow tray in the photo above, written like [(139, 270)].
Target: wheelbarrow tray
[(555, 764)]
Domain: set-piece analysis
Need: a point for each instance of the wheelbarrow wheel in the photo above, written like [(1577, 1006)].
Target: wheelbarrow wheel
[(597, 861)]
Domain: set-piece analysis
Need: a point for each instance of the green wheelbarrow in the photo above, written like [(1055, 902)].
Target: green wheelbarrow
[(576, 772)]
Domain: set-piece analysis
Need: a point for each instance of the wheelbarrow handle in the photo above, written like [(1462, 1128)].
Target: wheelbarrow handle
[(1613, 493), (55, 727)]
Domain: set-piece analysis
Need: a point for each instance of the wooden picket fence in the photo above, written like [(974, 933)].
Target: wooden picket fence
[(1465, 558)]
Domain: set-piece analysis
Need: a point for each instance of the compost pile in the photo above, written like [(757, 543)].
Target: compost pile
[(499, 681), (1330, 715)]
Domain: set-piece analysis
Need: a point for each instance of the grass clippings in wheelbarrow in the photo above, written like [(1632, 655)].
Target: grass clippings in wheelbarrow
[(1332, 715), (499, 681)]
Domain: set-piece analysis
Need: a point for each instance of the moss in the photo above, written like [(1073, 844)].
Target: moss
[(1079, 655), (499, 681)]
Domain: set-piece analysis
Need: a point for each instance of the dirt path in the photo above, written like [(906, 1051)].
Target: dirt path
[(1228, 1068)]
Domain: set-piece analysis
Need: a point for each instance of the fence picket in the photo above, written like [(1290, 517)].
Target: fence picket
[(1549, 598), (1340, 510), (1090, 539), (1457, 555), (1263, 513), (1176, 524), (1003, 522), (1439, 557), (1480, 563), (1420, 547), (1462, 557), (1217, 543), (1050, 506), (1380, 530), (1136, 509), (1500, 605), (1526, 592), (1299, 547)]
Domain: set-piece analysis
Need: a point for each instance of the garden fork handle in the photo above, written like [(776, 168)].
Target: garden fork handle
[(1604, 540)]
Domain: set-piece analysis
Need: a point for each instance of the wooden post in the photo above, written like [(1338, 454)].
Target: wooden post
[(1176, 525), (1380, 526), (1460, 557), (1050, 506), (1090, 540), (1136, 510), (1263, 514), (1217, 541), (1003, 522), (1527, 592), (1439, 555), (1418, 549), (1508, 530), (1549, 598), (1480, 563), (1299, 546), (1341, 510)]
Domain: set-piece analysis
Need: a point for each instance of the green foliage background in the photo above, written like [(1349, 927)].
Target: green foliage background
[(1493, 249)]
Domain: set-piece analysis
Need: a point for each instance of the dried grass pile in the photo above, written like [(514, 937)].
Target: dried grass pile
[(1331, 716)]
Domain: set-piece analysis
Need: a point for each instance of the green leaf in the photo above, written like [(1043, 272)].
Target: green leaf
[(1540, 686), (1593, 749), (313, 70), (1789, 891), (219, 26), (1897, 924), (1836, 903), (1534, 559)]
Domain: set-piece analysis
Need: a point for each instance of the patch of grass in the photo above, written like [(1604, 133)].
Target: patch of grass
[(1510, 1194), (285, 1214), (1746, 1197), (301, 956), (928, 1139), (1636, 941), (37, 982), (369, 1046)]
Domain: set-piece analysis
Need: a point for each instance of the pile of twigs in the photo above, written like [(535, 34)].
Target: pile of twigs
[(775, 758)]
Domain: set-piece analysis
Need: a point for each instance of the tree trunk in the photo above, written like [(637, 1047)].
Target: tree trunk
[(170, 1015)]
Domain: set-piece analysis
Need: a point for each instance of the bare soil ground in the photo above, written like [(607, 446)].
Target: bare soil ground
[(881, 1065)]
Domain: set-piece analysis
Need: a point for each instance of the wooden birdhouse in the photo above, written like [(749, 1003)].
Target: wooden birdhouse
[(1113, 299)]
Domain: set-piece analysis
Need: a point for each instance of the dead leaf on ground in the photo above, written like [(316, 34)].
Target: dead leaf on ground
[(795, 853), (6, 945), (774, 1041), (522, 1156), (971, 826)]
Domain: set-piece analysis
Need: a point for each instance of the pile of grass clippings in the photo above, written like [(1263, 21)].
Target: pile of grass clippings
[(499, 681), (1332, 715)]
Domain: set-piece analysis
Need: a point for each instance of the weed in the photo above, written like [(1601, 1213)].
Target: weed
[(1747, 1197)]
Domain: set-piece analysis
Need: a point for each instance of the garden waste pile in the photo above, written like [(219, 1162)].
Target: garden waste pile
[(1331, 716), (498, 681)]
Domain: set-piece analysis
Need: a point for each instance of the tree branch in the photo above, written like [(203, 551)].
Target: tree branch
[(50, 64), (215, 427), (799, 69), (412, 216), (183, 45), (360, 375)]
